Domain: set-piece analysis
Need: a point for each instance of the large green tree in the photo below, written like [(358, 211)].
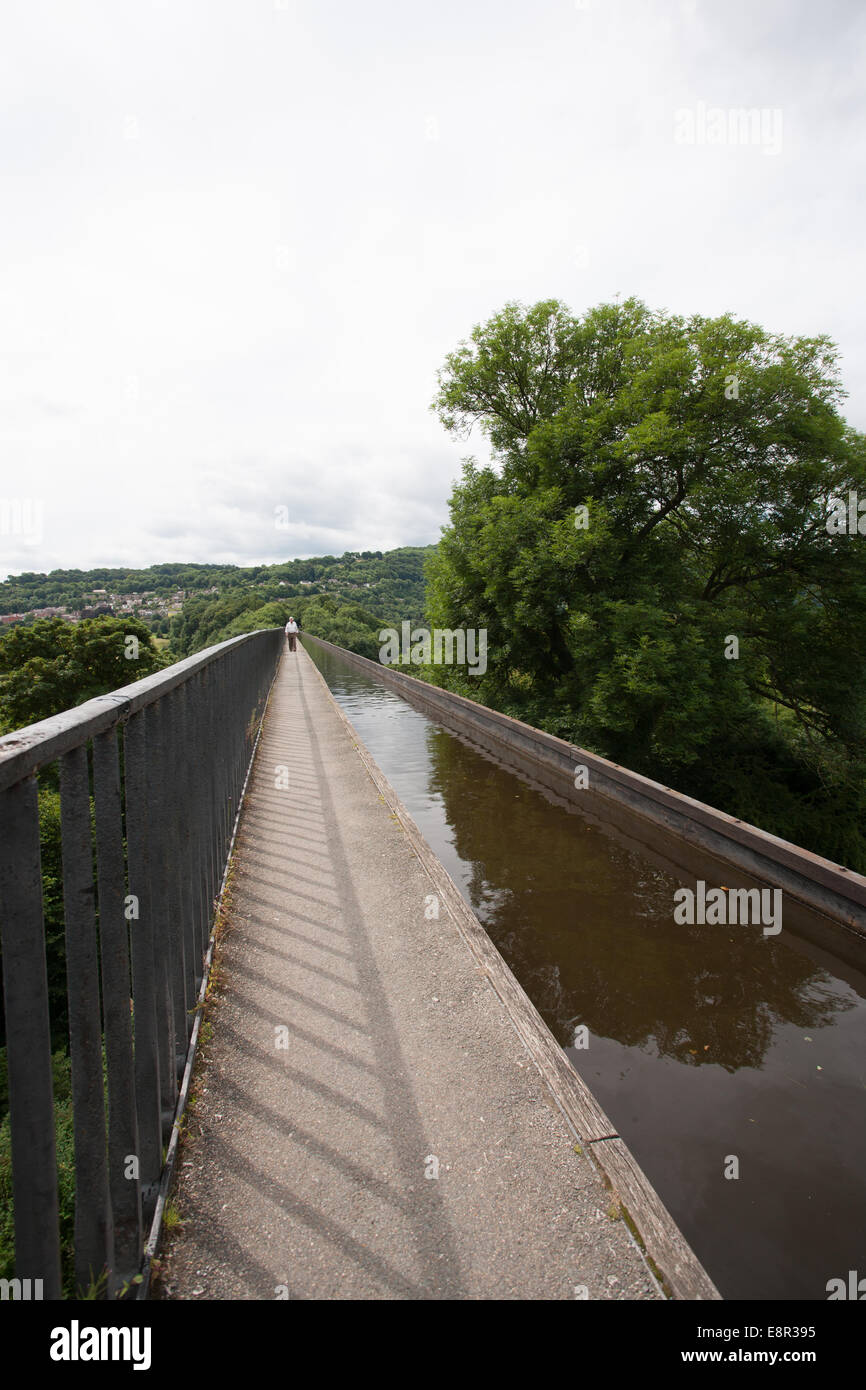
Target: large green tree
[(53, 665), (662, 485)]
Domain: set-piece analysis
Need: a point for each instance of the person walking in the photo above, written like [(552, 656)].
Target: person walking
[(291, 633)]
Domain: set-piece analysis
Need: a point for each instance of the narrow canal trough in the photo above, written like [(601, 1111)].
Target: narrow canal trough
[(729, 1056)]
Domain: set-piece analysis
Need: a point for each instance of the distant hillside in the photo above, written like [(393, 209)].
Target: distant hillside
[(192, 604)]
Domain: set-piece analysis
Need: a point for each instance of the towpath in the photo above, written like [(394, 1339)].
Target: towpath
[(368, 1123)]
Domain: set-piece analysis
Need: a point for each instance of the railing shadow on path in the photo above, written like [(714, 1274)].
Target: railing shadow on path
[(312, 1137)]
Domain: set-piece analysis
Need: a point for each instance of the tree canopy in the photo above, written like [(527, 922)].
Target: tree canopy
[(663, 485), (53, 665)]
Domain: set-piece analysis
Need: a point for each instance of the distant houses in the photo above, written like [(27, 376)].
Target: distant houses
[(98, 603)]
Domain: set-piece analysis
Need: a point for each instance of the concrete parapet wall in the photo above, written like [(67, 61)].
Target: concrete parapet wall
[(614, 792)]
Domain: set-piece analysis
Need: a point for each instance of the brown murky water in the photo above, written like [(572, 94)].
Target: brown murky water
[(705, 1043)]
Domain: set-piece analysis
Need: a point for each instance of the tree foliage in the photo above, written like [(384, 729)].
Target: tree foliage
[(661, 485), (346, 625), (53, 665), (391, 584)]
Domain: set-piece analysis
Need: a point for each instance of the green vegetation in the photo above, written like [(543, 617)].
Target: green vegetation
[(341, 600), (180, 609), (389, 583), (72, 587), (171, 1217), (661, 486), (52, 665), (347, 625), (393, 577)]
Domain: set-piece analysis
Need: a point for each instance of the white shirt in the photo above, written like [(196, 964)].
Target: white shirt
[(291, 626)]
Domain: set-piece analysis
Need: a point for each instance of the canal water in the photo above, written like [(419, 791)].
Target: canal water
[(713, 1049)]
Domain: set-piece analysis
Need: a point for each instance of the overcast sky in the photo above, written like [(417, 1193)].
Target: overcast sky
[(238, 237)]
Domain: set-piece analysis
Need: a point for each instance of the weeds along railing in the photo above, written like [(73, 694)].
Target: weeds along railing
[(149, 784)]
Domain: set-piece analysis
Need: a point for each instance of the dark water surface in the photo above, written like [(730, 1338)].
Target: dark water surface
[(705, 1042)]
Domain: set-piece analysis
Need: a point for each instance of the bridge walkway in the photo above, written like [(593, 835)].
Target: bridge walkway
[(355, 1051)]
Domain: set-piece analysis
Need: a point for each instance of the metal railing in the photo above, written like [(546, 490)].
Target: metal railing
[(150, 781)]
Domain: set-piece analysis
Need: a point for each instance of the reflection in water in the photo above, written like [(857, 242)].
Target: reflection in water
[(587, 926), (705, 1042)]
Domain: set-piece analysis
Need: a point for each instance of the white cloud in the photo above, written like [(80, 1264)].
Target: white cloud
[(238, 239)]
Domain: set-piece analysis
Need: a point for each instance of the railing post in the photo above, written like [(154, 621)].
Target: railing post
[(167, 790), (209, 788), (94, 1240), (201, 846), (185, 830), (147, 1070), (28, 1040), (123, 1147), (163, 876)]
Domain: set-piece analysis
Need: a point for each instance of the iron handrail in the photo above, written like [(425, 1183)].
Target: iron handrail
[(150, 781)]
